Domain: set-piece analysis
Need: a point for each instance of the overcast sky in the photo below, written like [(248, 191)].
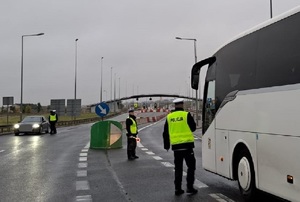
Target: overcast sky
[(135, 37)]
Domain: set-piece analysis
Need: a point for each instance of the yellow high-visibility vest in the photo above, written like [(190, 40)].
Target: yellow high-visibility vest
[(179, 130), (133, 126), (52, 117)]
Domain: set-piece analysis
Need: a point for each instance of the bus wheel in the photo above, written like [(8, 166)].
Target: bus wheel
[(246, 176)]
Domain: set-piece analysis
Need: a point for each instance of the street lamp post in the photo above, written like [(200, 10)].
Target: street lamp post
[(115, 93), (195, 52), (111, 83), (105, 94), (119, 87), (271, 9), (75, 90), (22, 50), (101, 79)]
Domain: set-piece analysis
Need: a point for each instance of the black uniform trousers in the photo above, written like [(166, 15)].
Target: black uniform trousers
[(131, 147), (189, 157), (52, 127)]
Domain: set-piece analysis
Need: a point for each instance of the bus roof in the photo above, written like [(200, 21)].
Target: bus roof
[(264, 24)]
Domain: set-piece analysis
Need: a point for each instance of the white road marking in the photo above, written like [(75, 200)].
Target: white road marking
[(199, 184), (87, 145), (86, 198), (221, 198), (2, 151), (82, 185), (81, 173), (139, 144), (167, 164), (82, 165), (82, 158), (157, 158), (144, 149), (150, 153)]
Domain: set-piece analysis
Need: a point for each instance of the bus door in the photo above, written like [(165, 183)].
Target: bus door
[(208, 138), (208, 111)]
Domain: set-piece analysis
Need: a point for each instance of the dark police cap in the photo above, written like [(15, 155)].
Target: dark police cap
[(130, 110)]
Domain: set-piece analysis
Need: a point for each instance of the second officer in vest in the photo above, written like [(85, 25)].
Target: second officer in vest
[(178, 132), (132, 131), (53, 118)]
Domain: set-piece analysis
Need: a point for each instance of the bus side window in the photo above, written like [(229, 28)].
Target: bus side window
[(210, 106)]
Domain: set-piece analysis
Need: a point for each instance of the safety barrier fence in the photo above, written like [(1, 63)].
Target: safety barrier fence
[(4, 129)]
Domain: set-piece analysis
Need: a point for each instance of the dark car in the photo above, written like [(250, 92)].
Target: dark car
[(32, 124)]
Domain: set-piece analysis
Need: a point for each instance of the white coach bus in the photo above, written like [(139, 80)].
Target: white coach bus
[(251, 109)]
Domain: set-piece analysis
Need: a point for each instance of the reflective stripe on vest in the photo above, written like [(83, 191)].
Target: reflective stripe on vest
[(133, 126), (179, 130), (52, 117)]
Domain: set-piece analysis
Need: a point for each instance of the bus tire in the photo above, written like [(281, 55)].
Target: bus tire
[(246, 176)]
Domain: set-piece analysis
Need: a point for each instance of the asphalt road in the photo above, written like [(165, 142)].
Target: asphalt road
[(62, 168)]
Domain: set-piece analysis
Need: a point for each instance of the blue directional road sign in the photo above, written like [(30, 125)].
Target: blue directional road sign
[(102, 109)]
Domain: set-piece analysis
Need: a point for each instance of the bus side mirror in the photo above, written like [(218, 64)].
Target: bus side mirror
[(196, 71), (195, 81)]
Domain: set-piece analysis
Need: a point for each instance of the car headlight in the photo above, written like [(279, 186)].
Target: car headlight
[(35, 125), (16, 126)]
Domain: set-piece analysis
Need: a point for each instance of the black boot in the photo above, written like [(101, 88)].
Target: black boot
[(178, 192), (191, 190)]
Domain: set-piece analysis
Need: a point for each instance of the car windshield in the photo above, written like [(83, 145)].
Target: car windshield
[(31, 119)]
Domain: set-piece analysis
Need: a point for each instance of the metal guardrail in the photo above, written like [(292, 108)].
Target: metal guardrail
[(9, 128), (5, 129)]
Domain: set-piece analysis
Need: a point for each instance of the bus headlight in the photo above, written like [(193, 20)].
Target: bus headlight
[(35, 125), (16, 126)]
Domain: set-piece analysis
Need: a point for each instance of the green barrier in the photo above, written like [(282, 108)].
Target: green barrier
[(106, 135)]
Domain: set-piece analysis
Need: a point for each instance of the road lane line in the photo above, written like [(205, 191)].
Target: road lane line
[(86, 198), (82, 158), (150, 153), (157, 158), (167, 164), (82, 185), (139, 144), (82, 165), (199, 184), (87, 145), (221, 198), (81, 173)]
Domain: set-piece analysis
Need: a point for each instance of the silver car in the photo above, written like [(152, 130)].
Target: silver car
[(32, 124)]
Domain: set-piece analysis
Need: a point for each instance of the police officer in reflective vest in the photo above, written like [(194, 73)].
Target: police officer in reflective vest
[(53, 118), (178, 132), (132, 131)]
